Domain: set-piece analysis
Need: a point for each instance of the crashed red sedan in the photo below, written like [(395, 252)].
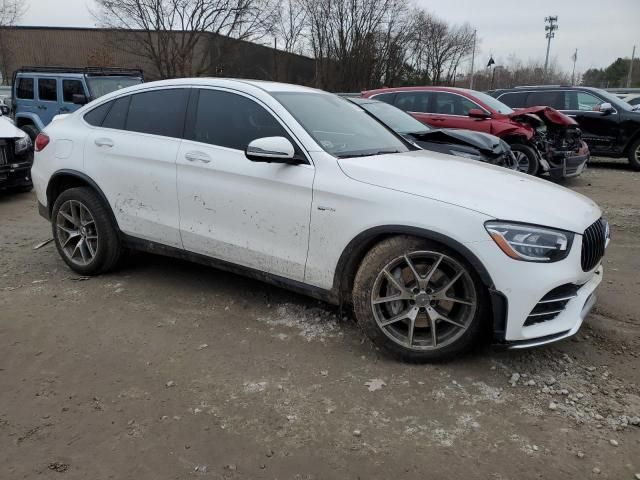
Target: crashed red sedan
[(542, 139)]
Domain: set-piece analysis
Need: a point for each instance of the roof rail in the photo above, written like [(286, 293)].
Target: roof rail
[(97, 71), (541, 86)]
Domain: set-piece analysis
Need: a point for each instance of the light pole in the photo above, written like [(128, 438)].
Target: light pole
[(473, 59), (551, 25), (633, 55)]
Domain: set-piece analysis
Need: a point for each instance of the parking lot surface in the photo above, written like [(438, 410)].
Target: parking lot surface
[(171, 370)]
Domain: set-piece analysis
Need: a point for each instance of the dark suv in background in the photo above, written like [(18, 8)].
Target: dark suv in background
[(609, 125)]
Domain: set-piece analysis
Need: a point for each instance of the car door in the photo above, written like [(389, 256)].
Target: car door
[(600, 130), (47, 103), (247, 213), (451, 110), (70, 87), (131, 151)]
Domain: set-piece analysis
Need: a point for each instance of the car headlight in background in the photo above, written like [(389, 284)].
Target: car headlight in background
[(471, 156), (22, 144), (530, 243)]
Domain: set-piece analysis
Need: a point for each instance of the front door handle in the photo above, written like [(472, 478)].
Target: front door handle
[(198, 157), (104, 142)]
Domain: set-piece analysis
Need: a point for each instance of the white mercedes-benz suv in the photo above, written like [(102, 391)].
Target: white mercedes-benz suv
[(301, 188)]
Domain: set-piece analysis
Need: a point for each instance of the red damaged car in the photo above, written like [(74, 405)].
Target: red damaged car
[(542, 139)]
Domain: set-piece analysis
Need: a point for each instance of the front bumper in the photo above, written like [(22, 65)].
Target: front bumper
[(568, 164), (15, 175)]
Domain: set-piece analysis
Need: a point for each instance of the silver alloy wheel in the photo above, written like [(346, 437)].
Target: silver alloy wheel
[(637, 154), (77, 232), (522, 161), (424, 300)]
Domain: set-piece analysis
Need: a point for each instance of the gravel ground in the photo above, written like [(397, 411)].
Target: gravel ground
[(170, 370)]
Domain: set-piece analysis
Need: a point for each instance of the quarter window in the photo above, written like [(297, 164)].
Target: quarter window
[(514, 99), (71, 88), (25, 88), (48, 89), (160, 112), (233, 121), (117, 116), (96, 116), (386, 97), (554, 99)]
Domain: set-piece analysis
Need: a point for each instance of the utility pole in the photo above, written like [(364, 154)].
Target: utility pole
[(473, 59), (633, 55), (573, 75), (551, 25)]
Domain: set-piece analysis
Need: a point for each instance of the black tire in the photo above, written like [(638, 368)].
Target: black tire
[(108, 249), (634, 155), (367, 279), (533, 166), (32, 131)]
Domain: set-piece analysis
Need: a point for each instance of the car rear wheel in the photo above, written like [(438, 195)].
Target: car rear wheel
[(634, 155), (84, 233), (418, 300), (526, 159)]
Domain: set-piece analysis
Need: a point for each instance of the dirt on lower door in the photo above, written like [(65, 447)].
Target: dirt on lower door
[(168, 370)]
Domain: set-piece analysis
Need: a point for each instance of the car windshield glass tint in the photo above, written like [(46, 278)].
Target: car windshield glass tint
[(493, 103), (340, 128), (100, 86), (395, 118)]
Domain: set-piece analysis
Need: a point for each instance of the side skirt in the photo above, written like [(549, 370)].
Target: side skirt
[(134, 243)]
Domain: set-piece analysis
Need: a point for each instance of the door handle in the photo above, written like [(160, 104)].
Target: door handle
[(41, 107), (104, 142), (198, 157)]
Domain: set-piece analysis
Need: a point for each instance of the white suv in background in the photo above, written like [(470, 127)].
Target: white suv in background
[(303, 189)]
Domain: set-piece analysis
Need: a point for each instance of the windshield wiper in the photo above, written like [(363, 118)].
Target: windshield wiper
[(370, 154)]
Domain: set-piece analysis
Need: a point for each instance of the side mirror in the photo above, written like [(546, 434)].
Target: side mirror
[(477, 113), (605, 108), (271, 150), (79, 99)]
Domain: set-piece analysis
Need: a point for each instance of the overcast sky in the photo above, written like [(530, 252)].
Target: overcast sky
[(601, 30)]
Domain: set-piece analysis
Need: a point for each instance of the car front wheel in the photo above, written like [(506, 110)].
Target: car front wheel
[(634, 155), (418, 300), (526, 159), (83, 232)]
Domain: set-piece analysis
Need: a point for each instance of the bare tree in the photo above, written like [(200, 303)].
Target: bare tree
[(175, 36), (11, 11)]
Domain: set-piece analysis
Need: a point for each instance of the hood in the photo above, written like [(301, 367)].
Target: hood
[(9, 130), (547, 114), (494, 191), (488, 144)]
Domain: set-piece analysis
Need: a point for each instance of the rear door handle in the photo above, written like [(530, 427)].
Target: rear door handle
[(198, 157), (104, 142)]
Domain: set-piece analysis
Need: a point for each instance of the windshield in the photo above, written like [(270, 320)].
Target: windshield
[(493, 103), (613, 100), (394, 118), (100, 86), (340, 128)]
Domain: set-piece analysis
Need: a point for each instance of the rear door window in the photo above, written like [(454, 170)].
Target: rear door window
[(71, 88), (549, 98), (514, 99), (413, 101), (386, 97), (24, 90), (451, 104), (160, 112), (48, 89)]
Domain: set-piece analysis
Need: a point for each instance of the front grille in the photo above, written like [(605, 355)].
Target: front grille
[(4, 157), (594, 241), (552, 304)]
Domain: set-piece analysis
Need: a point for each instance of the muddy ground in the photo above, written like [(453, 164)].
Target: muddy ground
[(168, 370)]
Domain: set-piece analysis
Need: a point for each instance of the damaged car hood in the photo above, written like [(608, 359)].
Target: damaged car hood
[(494, 191), (546, 114), (9, 130), (482, 141)]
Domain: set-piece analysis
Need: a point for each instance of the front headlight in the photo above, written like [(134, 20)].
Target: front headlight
[(530, 243), (22, 144), (472, 156)]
